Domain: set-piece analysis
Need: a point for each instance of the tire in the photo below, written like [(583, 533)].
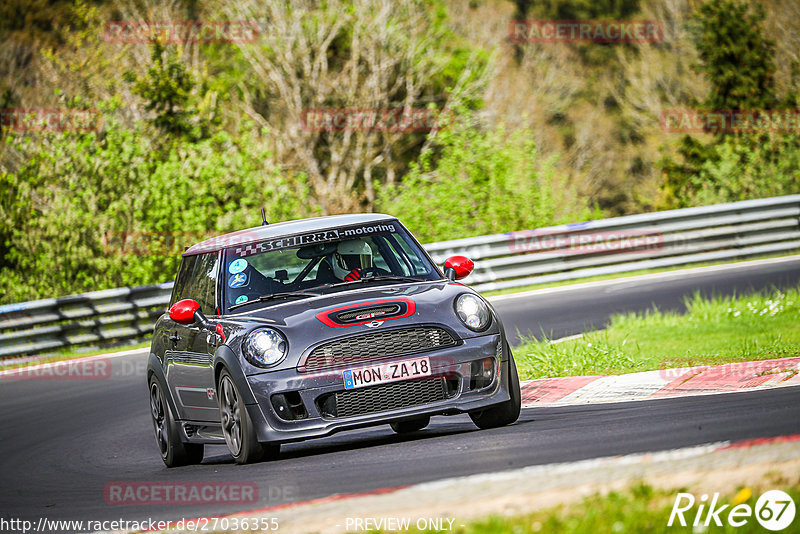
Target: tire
[(506, 412), (410, 425), (237, 427), (174, 452)]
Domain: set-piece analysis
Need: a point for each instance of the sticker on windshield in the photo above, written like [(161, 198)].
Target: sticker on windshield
[(316, 237), (237, 266), (237, 280), (241, 298)]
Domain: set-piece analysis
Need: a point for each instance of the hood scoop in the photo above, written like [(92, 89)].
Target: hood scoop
[(362, 314), (367, 312)]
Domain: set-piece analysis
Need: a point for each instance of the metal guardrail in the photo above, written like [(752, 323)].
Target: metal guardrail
[(96, 318), (509, 260), (623, 244)]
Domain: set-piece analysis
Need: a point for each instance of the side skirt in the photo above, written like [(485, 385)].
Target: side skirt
[(202, 432)]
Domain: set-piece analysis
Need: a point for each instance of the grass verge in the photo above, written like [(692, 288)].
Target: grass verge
[(713, 331), (641, 508)]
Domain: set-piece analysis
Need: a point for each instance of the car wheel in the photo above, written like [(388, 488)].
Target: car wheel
[(506, 412), (173, 451), (410, 425), (237, 427)]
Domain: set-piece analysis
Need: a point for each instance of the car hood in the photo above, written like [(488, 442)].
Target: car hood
[(303, 321)]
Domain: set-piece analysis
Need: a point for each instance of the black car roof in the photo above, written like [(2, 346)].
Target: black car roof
[(282, 229)]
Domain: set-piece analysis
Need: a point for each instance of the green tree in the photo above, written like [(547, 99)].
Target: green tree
[(736, 56), (738, 60), (476, 182), (169, 91), (354, 54)]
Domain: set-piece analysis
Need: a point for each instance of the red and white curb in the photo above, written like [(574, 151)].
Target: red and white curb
[(702, 380)]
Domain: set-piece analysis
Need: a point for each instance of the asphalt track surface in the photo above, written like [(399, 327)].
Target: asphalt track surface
[(63, 441)]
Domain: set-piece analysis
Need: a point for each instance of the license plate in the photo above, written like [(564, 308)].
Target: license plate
[(386, 372)]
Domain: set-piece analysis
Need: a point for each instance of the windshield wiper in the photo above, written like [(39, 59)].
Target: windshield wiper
[(391, 277), (274, 296), (378, 278)]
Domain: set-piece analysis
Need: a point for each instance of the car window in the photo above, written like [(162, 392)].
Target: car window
[(183, 279), (409, 260), (197, 280), (412, 255), (271, 265), (203, 282)]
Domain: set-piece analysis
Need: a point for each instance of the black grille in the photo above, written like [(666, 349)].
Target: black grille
[(386, 397), (377, 345), (378, 312)]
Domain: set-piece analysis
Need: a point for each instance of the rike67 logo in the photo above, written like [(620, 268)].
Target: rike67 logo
[(774, 510)]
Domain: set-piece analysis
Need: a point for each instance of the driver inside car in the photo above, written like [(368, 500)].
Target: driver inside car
[(351, 259)]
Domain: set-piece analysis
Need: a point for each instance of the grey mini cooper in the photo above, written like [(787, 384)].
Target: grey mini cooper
[(296, 330)]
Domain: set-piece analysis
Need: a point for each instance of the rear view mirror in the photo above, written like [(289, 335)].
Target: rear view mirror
[(187, 311), (315, 251), (458, 267)]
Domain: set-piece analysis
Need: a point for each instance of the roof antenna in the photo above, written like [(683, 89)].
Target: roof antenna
[(263, 218)]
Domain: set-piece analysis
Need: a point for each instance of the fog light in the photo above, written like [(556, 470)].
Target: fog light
[(289, 406), (482, 373)]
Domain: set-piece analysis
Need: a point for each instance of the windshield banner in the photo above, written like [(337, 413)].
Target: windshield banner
[(311, 238)]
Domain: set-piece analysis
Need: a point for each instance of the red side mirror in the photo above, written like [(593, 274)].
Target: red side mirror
[(183, 311), (458, 267)]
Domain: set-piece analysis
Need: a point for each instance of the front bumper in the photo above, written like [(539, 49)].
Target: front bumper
[(454, 365)]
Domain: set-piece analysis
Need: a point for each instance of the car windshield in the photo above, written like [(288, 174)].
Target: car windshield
[(288, 267)]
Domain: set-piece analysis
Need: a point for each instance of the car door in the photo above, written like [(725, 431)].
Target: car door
[(176, 335), (190, 374)]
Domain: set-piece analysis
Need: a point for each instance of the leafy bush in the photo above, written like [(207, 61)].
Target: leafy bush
[(744, 170), (100, 210)]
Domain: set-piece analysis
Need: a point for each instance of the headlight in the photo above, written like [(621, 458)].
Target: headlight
[(265, 347), (473, 312)]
